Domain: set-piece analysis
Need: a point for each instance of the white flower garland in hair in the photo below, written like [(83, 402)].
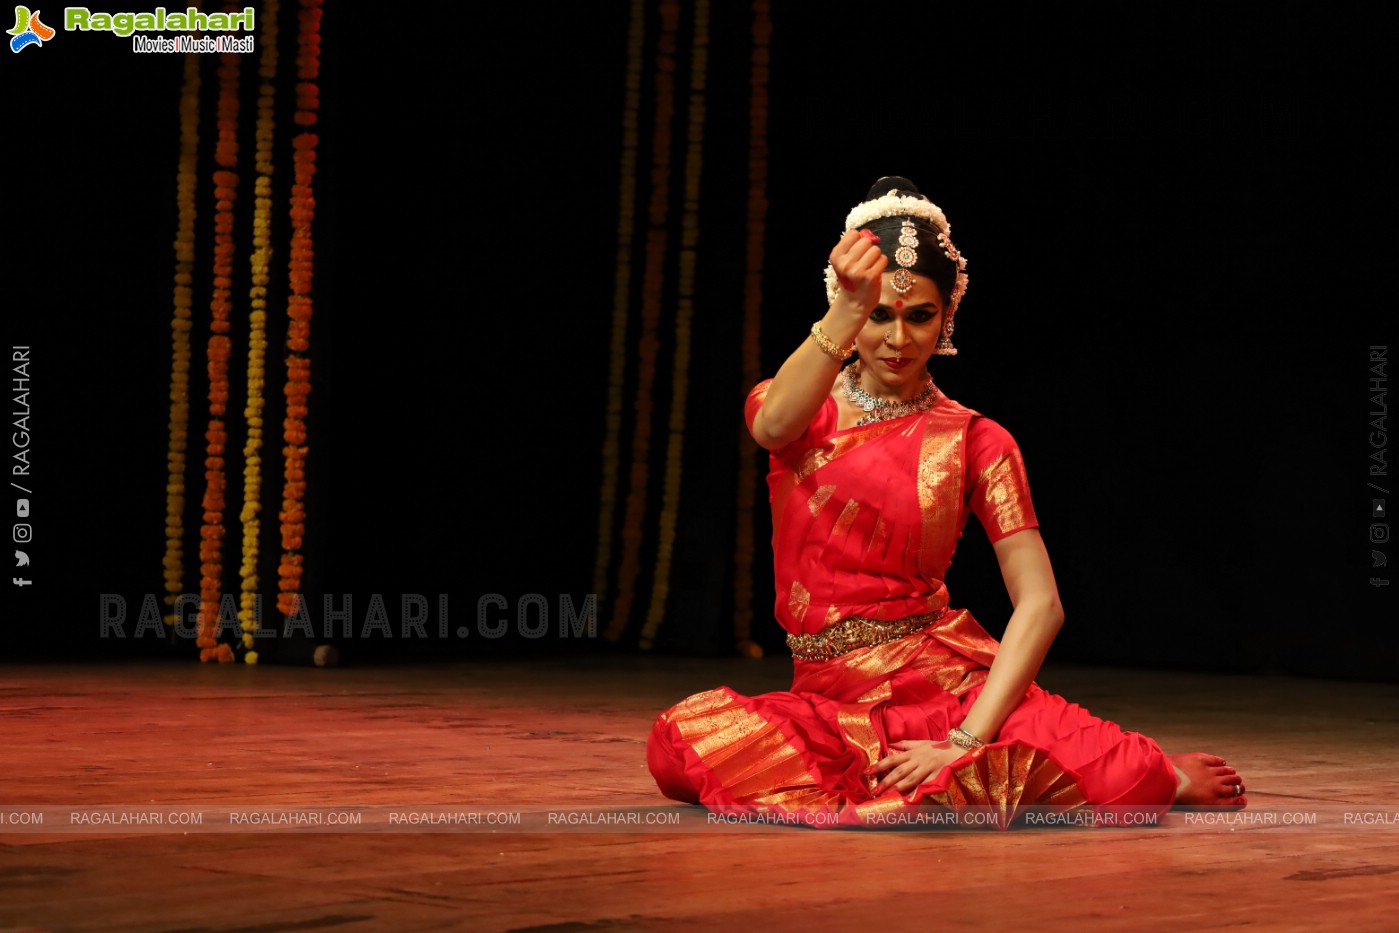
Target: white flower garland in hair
[(894, 204)]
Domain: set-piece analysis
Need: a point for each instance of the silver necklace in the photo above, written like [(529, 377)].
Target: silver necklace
[(877, 410)]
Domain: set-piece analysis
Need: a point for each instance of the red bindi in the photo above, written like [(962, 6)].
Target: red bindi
[(898, 304)]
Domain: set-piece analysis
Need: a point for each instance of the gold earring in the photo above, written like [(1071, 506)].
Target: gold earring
[(944, 345)]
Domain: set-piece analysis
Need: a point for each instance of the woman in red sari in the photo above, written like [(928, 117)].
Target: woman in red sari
[(899, 701)]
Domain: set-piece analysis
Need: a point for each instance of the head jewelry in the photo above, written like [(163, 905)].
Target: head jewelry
[(910, 208)]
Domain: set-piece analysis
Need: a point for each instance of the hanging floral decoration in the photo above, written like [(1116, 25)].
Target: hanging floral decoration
[(750, 355), (648, 340), (299, 307), (257, 331), (683, 330), (211, 535), (180, 322), (617, 354)]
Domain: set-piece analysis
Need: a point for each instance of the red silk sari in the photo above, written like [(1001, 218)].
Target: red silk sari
[(865, 524)]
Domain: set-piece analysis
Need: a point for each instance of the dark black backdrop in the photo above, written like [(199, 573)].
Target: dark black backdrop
[(1160, 311)]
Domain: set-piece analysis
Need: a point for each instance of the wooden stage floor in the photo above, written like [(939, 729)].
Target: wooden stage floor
[(185, 797)]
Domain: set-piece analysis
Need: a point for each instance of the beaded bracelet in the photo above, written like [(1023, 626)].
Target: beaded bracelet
[(828, 348), (963, 739)]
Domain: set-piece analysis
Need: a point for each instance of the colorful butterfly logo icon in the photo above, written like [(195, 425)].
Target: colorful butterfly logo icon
[(29, 30)]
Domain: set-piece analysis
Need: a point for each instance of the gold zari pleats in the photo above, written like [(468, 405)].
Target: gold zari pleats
[(760, 755)]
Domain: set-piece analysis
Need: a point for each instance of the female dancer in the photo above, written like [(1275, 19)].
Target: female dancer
[(897, 699)]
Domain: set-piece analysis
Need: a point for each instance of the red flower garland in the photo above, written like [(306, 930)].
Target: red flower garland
[(751, 459), (211, 535), (299, 308), (683, 331), (617, 345), (652, 295)]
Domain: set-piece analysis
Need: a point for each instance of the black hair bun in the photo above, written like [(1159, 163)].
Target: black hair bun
[(889, 183)]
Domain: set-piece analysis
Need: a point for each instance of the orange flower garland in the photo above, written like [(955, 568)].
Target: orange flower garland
[(298, 386), (617, 346), (180, 327), (211, 535), (684, 313), (257, 331), (751, 362), (652, 289)]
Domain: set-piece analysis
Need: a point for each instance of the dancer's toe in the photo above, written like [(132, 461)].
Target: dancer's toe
[(1205, 781)]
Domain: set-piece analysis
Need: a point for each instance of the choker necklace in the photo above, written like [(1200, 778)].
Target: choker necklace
[(877, 410)]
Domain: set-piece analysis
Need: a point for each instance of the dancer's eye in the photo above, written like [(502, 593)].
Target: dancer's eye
[(921, 317), (879, 315)]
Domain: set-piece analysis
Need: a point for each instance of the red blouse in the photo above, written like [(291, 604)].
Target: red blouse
[(865, 520)]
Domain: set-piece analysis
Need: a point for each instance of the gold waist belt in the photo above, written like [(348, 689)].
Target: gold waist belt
[(855, 632)]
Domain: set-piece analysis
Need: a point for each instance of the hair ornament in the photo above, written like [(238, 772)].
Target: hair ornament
[(895, 204), (959, 287), (906, 256)]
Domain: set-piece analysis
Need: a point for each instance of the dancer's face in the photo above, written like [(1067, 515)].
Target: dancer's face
[(900, 336)]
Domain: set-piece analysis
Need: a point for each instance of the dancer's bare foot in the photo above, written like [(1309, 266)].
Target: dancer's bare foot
[(1206, 781)]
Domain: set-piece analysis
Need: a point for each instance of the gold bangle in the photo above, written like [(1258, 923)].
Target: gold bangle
[(828, 348), (963, 739)]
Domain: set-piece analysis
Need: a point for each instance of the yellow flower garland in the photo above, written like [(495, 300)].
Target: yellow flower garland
[(257, 330), (180, 323)]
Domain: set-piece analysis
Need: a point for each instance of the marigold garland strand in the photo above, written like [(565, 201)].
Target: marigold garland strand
[(621, 290), (211, 535), (298, 385), (653, 280), (680, 371), (248, 614), (180, 323), (751, 360)]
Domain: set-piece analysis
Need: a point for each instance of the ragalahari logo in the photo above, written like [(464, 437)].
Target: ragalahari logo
[(28, 29)]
